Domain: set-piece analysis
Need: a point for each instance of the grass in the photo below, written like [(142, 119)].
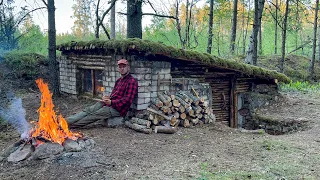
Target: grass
[(303, 86), (273, 158)]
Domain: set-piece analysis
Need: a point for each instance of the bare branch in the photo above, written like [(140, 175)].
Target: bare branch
[(1, 2), (158, 15), (152, 7), (18, 22), (44, 2), (109, 9)]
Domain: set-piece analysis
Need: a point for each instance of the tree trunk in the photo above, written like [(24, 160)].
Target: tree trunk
[(276, 29), (113, 22), (234, 26), (53, 65), (210, 35), (284, 36), (252, 50), (260, 41), (97, 20), (134, 19), (314, 44), (245, 32)]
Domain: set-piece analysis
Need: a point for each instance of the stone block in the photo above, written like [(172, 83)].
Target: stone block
[(142, 106), (144, 83), (142, 70), (143, 95)]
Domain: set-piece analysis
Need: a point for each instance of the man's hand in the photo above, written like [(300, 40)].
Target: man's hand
[(107, 100)]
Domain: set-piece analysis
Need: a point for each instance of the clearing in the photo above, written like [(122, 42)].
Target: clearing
[(212, 151)]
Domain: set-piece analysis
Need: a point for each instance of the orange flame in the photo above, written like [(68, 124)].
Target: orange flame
[(50, 126)]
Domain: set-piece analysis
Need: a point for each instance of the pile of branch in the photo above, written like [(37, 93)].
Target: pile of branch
[(140, 125), (169, 111)]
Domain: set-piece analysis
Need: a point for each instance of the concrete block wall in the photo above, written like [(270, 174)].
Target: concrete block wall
[(67, 76)]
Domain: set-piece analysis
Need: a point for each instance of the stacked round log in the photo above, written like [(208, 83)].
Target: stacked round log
[(184, 109)]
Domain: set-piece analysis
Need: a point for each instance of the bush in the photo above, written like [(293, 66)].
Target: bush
[(24, 64)]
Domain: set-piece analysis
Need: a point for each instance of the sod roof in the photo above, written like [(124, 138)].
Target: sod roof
[(123, 46)]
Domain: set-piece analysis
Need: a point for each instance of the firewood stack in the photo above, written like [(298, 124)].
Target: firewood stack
[(168, 111), (181, 109)]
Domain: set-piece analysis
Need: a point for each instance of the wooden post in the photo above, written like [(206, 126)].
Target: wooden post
[(232, 122)]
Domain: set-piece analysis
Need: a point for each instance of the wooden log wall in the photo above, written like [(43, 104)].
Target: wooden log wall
[(221, 99)]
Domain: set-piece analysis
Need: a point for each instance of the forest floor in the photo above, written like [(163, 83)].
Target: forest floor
[(212, 151)]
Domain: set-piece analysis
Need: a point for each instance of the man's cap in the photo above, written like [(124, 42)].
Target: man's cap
[(123, 61)]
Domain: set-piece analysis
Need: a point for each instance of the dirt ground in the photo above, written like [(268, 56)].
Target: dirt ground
[(213, 151)]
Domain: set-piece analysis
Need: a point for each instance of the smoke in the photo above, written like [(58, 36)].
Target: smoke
[(15, 114)]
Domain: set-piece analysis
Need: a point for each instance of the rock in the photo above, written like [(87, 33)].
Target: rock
[(71, 146), (21, 153), (47, 150), (82, 144), (90, 143)]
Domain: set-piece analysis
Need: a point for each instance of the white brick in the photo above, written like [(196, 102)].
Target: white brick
[(142, 106), (144, 83), (142, 70), (143, 95), (141, 89)]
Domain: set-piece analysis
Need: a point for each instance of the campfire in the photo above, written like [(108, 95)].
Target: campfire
[(50, 126), (49, 136)]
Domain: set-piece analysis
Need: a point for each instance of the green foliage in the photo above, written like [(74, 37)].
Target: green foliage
[(33, 42), (304, 86), (24, 64)]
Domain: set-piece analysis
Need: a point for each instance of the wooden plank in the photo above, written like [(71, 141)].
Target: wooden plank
[(232, 110)]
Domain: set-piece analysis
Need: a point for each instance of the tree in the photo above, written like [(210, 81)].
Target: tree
[(9, 23), (314, 44), (134, 19), (82, 16), (99, 20), (252, 50), (284, 36), (234, 26), (113, 22), (53, 64), (210, 35)]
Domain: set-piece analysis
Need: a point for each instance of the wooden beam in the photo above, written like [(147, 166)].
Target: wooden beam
[(233, 123)]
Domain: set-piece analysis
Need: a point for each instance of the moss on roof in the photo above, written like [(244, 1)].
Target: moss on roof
[(148, 47)]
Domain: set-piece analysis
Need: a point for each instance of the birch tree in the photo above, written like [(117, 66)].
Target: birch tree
[(251, 57), (234, 26), (314, 44)]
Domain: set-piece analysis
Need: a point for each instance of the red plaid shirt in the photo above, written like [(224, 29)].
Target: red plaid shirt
[(123, 94)]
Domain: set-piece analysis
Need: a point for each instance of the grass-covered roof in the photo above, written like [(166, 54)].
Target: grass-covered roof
[(123, 46)]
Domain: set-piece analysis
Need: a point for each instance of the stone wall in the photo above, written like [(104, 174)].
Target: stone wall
[(261, 95), (67, 76)]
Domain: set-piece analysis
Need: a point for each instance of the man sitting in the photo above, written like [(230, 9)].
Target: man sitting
[(115, 105)]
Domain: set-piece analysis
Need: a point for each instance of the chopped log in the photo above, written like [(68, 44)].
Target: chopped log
[(163, 99), (197, 109), (183, 102), (195, 121), (176, 114), (163, 129), (151, 117), (177, 123), (180, 97), (173, 109), (173, 97), (199, 116), (157, 102), (183, 115), (168, 98), (190, 111), (186, 123), (138, 127), (173, 122), (194, 99), (165, 109), (176, 103), (139, 121), (161, 114), (170, 104), (182, 109), (185, 96)]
